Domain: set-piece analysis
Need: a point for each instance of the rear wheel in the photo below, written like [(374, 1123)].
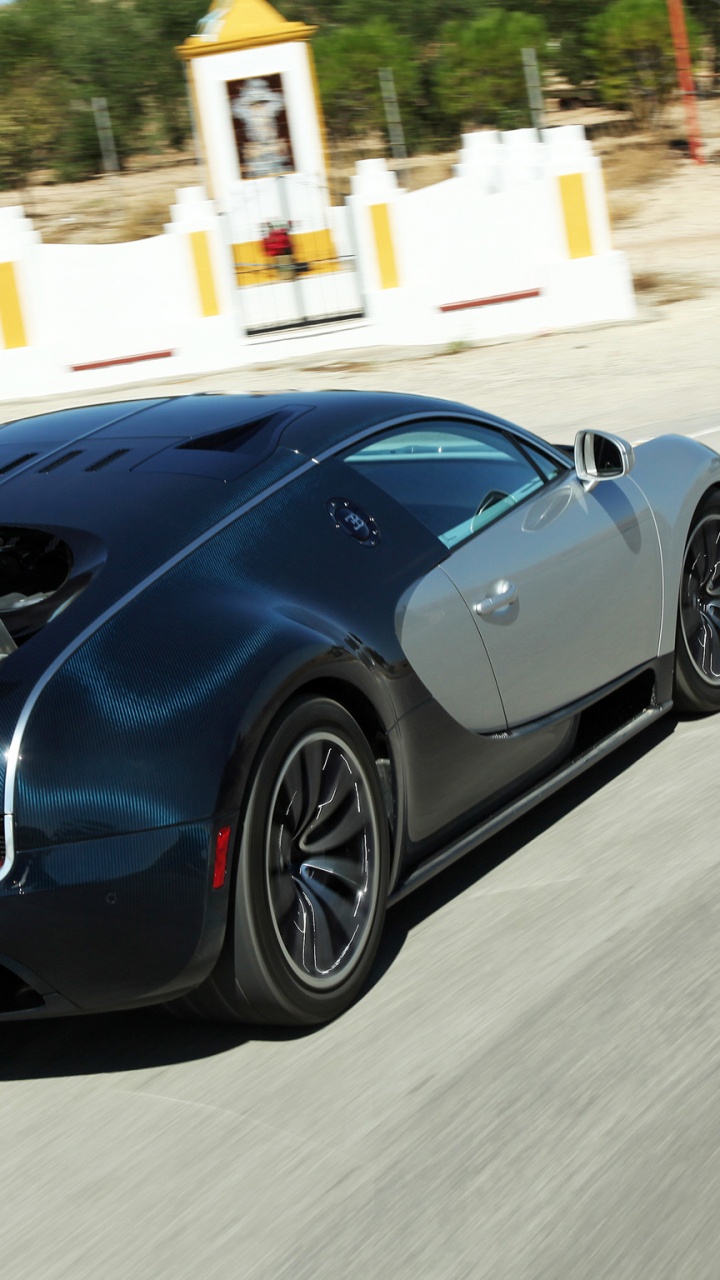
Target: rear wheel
[(697, 653), (312, 876)]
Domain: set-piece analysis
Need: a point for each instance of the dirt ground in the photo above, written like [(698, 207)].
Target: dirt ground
[(645, 177)]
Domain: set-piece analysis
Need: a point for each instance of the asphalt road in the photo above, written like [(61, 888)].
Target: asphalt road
[(527, 1091)]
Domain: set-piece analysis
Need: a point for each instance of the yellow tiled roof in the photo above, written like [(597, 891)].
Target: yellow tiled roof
[(241, 24)]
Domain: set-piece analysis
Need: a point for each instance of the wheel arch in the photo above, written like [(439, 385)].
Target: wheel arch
[(676, 475), (691, 694), (712, 491)]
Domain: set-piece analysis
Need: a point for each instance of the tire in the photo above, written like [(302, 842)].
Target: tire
[(311, 879), (697, 647)]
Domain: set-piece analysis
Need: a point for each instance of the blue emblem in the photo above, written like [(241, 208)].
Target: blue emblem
[(353, 521)]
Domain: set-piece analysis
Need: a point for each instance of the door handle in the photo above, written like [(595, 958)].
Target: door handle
[(498, 600)]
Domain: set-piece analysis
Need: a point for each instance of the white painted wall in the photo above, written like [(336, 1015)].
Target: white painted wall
[(496, 227), (90, 296)]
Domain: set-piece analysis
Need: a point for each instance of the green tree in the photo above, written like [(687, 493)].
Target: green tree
[(478, 73), (420, 19), (167, 23), (27, 128), (631, 52), (348, 61), (706, 14), (95, 48)]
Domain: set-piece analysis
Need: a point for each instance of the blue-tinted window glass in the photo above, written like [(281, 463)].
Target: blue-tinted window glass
[(454, 477)]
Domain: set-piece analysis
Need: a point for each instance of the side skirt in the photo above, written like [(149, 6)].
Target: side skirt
[(518, 808)]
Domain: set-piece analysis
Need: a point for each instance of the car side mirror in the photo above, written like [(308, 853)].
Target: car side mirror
[(601, 457)]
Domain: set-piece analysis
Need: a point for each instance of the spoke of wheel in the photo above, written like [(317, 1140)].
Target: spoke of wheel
[(337, 829), (312, 758), (698, 553), (299, 788), (295, 931), (710, 547), (283, 894), (712, 612), (337, 782), (712, 646), (690, 621), (320, 952), (289, 806), (349, 871), (701, 648)]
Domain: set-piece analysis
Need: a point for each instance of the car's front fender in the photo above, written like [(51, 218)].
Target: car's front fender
[(674, 473)]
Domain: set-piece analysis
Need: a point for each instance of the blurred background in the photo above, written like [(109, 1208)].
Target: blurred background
[(456, 65)]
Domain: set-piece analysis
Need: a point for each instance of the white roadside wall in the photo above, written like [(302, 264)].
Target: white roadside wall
[(517, 241)]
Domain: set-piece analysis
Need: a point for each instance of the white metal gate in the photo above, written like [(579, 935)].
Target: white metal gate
[(294, 262)]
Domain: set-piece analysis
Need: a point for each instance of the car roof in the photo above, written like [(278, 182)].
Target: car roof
[(102, 466), (188, 417)]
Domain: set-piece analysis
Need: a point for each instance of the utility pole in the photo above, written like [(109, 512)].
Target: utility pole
[(392, 115), (533, 84), (106, 138), (685, 77)]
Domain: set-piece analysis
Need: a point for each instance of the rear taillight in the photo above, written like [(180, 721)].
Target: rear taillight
[(222, 842)]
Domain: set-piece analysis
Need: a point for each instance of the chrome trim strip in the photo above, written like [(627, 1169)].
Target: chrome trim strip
[(518, 808), (13, 754)]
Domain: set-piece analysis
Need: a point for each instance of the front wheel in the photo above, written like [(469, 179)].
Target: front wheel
[(697, 652)]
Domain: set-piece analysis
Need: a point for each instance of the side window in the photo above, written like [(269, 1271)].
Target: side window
[(454, 477)]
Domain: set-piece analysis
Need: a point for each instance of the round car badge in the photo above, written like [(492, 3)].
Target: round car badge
[(353, 521)]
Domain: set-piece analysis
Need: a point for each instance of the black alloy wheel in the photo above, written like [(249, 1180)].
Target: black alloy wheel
[(697, 655), (321, 858), (311, 881)]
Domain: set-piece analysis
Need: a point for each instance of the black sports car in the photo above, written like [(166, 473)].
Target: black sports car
[(269, 662)]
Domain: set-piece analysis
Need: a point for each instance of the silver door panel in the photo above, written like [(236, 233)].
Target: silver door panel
[(586, 603), (438, 635)]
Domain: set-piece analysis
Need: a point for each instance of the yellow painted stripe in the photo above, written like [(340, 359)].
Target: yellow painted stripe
[(11, 317), (314, 249), (317, 249), (204, 273), (387, 266), (252, 266), (577, 226)]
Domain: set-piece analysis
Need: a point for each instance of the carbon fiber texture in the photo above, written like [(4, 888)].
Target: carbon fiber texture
[(195, 510), (137, 728)]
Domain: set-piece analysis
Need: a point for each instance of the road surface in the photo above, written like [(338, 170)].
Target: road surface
[(527, 1091)]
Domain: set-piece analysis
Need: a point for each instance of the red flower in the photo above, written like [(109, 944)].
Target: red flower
[(276, 242)]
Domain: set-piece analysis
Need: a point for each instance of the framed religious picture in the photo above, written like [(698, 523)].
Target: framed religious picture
[(262, 135)]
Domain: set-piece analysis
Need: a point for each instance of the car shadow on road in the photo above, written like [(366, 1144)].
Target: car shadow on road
[(96, 1044)]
